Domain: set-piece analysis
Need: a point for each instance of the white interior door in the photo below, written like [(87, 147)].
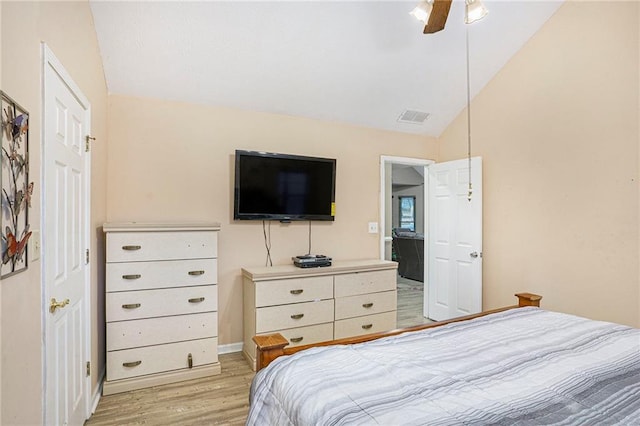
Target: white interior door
[(65, 241), (455, 240)]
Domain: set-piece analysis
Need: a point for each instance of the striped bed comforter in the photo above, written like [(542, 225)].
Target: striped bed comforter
[(524, 366)]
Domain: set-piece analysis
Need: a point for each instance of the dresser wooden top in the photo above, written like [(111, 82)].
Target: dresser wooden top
[(265, 273), (144, 227)]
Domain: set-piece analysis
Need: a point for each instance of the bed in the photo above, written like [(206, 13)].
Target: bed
[(524, 366)]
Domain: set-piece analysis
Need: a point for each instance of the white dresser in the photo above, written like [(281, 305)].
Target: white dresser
[(349, 298), (161, 304)]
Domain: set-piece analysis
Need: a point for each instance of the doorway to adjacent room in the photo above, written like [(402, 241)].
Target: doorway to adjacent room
[(404, 217)]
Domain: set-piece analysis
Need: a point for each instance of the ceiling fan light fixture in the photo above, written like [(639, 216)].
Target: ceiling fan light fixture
[(422, 11), (474, 11)]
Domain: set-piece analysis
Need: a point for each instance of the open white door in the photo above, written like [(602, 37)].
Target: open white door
[(455, 240), (65, 242)]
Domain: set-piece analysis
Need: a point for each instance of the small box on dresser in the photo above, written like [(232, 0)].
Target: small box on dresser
[(161, 304)]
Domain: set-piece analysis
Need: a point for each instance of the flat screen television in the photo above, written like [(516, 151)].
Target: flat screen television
[(270, 186)]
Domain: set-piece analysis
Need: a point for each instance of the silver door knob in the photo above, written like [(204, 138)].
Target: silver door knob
[(474, 254)]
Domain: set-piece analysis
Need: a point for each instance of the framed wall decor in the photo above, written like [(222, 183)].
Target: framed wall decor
[(16, 188)]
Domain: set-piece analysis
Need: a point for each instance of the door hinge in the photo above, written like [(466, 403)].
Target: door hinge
[(88, 368), (87, 143), (86, 260)]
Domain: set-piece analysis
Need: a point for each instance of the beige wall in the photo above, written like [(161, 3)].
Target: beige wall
[(170, 161), (558, 132), (68, 30)]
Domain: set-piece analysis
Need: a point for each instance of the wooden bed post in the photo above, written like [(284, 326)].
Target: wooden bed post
[(528, 299), (269, 348)]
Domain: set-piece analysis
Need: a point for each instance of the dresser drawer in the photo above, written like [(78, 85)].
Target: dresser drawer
[(155, 359), (141, 246), (306, 335), (173, 273), (365, 304), (156, 331), (292, 316), (128, 305), (282, 292), (365, 325), (364, 282)]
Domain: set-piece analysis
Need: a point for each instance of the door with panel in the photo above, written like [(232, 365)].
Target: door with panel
[(455, 239), (65, 243)]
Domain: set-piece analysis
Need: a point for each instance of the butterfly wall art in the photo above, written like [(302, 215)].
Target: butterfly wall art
[(15, 199)]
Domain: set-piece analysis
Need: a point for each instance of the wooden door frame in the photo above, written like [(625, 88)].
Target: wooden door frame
[(50, 60)]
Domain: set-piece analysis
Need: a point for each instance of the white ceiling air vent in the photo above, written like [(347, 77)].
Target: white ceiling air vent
[(413, 117)]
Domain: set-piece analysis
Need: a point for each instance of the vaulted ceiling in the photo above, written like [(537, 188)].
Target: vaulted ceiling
[(356, 62)]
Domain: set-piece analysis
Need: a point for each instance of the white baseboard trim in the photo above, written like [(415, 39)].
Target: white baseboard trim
[(97, 394), (230, 348)]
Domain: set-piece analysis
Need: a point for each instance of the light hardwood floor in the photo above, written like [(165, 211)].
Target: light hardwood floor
[(217, 400), (410, 303)]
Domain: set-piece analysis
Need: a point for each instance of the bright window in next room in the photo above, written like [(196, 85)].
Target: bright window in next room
[(408, 213)]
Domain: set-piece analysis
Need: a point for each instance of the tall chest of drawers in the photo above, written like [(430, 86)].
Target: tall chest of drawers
[(161, 304), (349, 298)]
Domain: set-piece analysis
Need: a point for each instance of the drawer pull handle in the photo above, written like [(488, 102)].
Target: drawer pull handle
[(131, 248), (131, 277), (297, 316), (299, 291), (296, 339), (196, 272), (367, 305), (131, 306), (196, 300), (190, 360), (131, 364), (367, 326)]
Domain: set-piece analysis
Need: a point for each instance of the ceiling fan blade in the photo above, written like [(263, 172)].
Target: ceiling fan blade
[(438, 16)]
